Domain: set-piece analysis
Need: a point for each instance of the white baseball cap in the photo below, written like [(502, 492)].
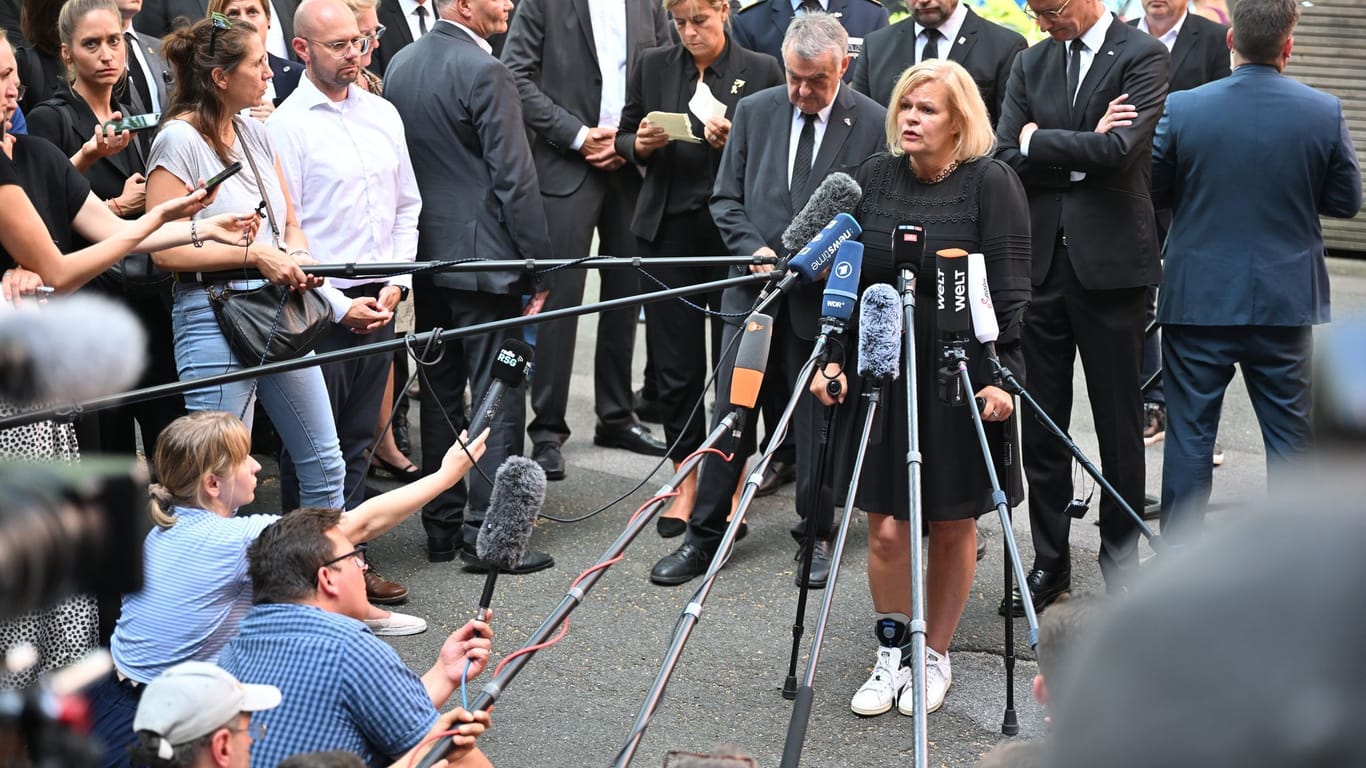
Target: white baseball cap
[(193, 699)]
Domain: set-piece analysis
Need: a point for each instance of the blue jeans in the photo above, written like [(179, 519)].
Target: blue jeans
[(296, 402), (113, 706)]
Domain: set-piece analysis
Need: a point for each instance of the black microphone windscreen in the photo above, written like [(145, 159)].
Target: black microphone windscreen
[(879, 339), (516, 499), (953, 316), (513, 362), (69, 349), (837, 193)]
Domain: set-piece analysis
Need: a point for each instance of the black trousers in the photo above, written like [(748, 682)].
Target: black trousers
[(355, 389), (605, 202), (677, 333), (1106, 328), (464, 364), (716, 484)]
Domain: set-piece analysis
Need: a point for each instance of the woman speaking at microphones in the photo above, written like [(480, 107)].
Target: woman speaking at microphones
[(699, 80), (937, 173)]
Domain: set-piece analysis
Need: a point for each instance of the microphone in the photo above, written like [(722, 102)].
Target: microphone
[(841, 288), (69, 349), (510, 369), (979, 299), (517, 495), (751, 360), (879, 339), (953, 319), (908, 246), (808, 264), (837, 193)]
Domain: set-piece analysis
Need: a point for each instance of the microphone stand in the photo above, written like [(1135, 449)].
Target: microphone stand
[(390, 268), (906, 283), (692, 611), (801, 711), (733, 421), (1014, 387), (438, 336)]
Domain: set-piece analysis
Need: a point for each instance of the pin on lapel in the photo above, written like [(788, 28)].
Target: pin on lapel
[(962, 40), (736, 86), (1110, 53), (847, 122)]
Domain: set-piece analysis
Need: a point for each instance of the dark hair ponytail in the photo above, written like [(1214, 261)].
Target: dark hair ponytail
[(194, 53)]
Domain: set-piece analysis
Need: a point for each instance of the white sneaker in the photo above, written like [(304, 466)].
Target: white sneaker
[(397, 625), (880, 692), (938, 678)]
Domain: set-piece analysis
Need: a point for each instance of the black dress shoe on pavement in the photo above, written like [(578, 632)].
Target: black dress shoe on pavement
[(634, 438), (1044, 586), (820, 565), (440, 550), (669, 527), (532, 561), (680, 566), (647, 410), (778, 474), (548, 455)]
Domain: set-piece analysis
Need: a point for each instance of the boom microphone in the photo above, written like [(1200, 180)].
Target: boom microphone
[(841, 288), (751, 360), (979, 300), (69, 349), (516, 499), (510, 369), (879, 338), (837, 193)]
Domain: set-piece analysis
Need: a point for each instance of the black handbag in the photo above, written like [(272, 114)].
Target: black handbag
[(270, 323)]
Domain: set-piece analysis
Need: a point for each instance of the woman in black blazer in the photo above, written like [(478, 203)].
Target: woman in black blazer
[(672, 217)]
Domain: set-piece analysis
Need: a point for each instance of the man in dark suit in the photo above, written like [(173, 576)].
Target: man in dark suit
[(159, 17), (403, 23), (986, 50), (1245, 277), (1085, 161), (1199, 55), (572, 60), (761, 24), (474, 168), (758, 190)]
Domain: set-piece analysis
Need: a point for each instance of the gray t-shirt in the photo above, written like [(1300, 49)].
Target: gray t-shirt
[(181, 150)]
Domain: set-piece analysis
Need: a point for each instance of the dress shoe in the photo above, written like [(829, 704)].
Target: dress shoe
[(820, 565), (400, 430), (548, 455), (669, 527), (634, 438), (531, 562), (1044, 586), (778, 474), (381, 591), (405, 474), (440, 550), (681, 566), (647, 409)]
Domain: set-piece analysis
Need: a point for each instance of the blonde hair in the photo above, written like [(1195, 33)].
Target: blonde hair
[(967, 111), (361, 6), (720, 6), (193, 446)]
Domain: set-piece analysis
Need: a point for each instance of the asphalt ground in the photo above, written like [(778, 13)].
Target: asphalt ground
[(574, 703)]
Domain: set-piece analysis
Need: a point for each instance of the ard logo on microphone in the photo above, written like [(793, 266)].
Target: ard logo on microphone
[(843, 269)]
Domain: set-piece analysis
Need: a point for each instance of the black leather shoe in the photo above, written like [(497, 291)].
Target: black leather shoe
[(548, 455), (669, 527), (1044, 586), (680, 566), (440, 550), (634, 438), (820, 565), (778, 474), (400, 428), (648, 410), (532, 561)]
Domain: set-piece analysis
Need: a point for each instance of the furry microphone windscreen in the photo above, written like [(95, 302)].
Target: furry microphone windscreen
[(516, 499), (879, 336), (69, 349), (837, 194)]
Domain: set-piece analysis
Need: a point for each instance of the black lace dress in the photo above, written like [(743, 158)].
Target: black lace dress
[(979, 207)]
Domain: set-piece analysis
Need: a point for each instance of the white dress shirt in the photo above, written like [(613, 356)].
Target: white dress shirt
[(481, 42), (609, 40), (949, 29), (135, 51), (1168, 39), (1092, 40), (795, 133), (275, 37), (410, 14), (350, 178)]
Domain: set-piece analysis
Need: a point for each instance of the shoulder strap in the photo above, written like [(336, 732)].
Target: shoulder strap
[(261, 187)]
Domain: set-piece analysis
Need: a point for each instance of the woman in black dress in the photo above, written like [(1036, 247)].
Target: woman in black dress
[(672, 217), (936, 173)]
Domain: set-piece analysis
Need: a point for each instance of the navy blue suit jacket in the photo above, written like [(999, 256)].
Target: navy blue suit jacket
[(1248, 164), (760, 26)]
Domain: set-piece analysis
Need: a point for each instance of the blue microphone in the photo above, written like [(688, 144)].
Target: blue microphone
[(841, 288), (815, 257)]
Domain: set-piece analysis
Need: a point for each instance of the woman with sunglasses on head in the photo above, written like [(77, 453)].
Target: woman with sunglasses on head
[(197, 587), (220, 69)]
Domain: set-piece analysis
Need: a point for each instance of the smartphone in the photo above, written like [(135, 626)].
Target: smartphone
[(136, 122), (226, 174)]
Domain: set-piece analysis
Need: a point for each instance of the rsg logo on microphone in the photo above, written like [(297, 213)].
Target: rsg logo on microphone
[(510, 358)]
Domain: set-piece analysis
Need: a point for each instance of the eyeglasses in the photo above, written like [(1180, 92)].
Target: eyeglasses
[(257, 731), (377, 34), (358, 553), (340, 48), (1053, 14), (220, 22)]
